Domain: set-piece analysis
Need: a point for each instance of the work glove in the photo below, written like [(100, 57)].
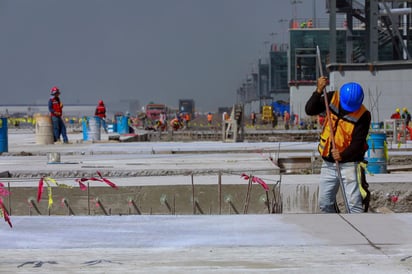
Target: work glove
[(321, 84)]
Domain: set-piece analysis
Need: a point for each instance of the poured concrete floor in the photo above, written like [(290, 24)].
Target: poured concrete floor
[(284, 243)]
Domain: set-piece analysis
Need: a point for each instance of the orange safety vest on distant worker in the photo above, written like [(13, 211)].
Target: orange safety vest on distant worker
[(100, 111), (343, 127), (286, 117), (57, 107), (187, 117)]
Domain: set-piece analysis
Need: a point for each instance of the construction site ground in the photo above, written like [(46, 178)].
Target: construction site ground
[(126, 242)]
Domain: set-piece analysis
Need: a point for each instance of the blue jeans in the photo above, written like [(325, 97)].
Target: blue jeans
[(329, 186), (103, 124), (59, 128)]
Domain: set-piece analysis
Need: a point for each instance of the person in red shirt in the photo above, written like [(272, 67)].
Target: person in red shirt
[(397, 114), (56, 113), (286, 119), (253, 118), (101, 113)]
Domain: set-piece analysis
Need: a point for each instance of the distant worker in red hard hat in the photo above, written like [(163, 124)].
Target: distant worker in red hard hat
[(101, 113), (56, 113)]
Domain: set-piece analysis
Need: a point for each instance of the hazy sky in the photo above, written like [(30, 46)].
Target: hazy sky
[(150, 50)]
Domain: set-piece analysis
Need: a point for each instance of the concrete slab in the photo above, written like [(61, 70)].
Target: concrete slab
[(287, 243)]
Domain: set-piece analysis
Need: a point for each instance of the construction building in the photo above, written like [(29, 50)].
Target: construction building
[(368, 42)]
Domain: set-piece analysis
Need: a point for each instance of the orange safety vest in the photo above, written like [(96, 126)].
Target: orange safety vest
[(343, 127), (100, 111), (187, 117), (287, 117), (57, 107)]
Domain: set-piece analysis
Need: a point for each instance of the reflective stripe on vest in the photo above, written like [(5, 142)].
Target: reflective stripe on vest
[(342, 127)]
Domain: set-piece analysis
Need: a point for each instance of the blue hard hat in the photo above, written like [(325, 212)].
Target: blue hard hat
[(351, 96)]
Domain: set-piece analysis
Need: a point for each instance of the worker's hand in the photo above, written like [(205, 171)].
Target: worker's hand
[(336, 155), (57, 113), (322, 82)]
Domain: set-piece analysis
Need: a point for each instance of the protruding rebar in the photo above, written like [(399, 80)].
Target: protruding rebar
[(228, 199), (69, 208), (247, 199), (277, 206), (88, 199), (99, 202), (163, 201), (32, 203), (193, 195), (9, 199), (264, 199), (198, 207), (219, 191), (132, 202)]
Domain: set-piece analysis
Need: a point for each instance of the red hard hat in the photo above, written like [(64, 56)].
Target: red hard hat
[(54, 90)]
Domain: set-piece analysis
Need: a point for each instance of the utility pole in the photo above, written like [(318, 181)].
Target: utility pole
[(281, 21), (294, 8)]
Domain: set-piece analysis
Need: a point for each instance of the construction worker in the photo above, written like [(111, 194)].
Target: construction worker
[(225, 116), (286, 119), (396, 114), (209, 118), (406, 116), (253, 118), (186, 118), (176, 123), (56, 112), (101, 113), (345, 149), (310, 23)]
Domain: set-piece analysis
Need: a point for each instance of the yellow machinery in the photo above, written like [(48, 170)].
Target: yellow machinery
[(267, 114)]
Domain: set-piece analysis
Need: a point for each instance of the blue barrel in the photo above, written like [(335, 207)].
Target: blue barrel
[(376, 154), (91, 128), (122, 124), (4, 144), (376, 125), (110, 128)]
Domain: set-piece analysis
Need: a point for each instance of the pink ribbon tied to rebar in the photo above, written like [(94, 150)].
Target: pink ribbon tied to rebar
[(3, 212), (256, 180), (83, 187)]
